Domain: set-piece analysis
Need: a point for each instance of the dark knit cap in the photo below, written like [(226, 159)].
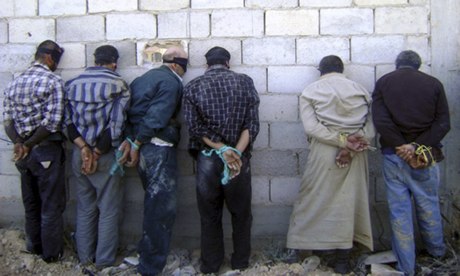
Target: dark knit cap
[(217, 55), (105, 54)]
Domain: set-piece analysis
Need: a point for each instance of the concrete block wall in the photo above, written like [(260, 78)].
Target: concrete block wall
[(278, 43)]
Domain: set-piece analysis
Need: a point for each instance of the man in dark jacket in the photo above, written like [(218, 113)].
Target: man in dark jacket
[(411, 114), (221, 111), (156, 98)]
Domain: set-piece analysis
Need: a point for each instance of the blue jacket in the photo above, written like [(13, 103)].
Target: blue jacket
[(155, 103)]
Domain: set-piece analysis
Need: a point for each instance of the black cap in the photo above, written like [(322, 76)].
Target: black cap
[(217, 55), (105, 54)]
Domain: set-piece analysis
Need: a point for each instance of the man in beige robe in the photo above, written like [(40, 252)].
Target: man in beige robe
[(332, 210)]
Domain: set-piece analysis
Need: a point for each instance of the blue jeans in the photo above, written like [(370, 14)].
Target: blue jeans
[(401, 183), (158, 172), (211, 196), (44, 197), (99, 210)]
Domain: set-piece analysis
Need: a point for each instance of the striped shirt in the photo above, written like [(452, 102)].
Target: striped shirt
[(95, 101), (219, 105), (35, 98)]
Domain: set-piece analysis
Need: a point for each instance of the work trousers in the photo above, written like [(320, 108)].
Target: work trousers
[(211, 196), (99, 210), (402, 182), (44, 197), (158, 172)]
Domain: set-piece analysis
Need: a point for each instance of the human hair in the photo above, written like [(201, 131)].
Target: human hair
[(48, 47), (217, 55), (330, 64), (408, 58), (105, 54)]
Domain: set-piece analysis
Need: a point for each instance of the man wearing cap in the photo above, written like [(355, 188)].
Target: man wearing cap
[(33, 111), (156, 99), (95, 115), (411, 115), (332, 209), (221, 111)]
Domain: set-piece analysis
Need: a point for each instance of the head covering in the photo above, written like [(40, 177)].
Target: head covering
[(408, 58), (50, 47), (330, 64), (106, 54), (217, 55)]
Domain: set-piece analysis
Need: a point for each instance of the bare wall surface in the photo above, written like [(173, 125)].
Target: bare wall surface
[(279, 44)]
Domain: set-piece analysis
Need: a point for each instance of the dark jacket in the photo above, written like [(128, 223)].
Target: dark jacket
[(410, 106), (155, 103)]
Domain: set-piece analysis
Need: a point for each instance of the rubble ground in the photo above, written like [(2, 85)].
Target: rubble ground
[(273, 260)]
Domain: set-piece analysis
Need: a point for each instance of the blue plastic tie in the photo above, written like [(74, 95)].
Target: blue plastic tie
[(220, 153), (117, 167)]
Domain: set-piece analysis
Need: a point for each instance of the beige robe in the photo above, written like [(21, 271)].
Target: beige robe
[(332, 209)]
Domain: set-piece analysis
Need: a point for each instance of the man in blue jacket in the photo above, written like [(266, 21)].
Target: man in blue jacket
[(156, 98)]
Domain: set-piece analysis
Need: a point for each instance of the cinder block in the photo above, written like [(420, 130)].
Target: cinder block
[(311, 50), (257, 74), (279, 108), (273, 4), (7, 166), (290, 79), (74, 56), (217, 4), (57, 7), (162, 5), (262, 137), (419, 2), (130, 73), (172, 25), (200, 24), (381, 49), (18, 8), (362, 74), (250, 23), (5, 78), (267, 163), (379, 2), (409, 20), (284, 190), (325, 3), (70, 73), (198, 48), (185, 163), (111, 5), (3, 31), (420, 44), (186, 191), (16, 57), (346, 21), (260, 190), (126, 50), (383, 69), (271, 50), (31, 30), (80, 28), (133, 190), (292, 22), (294, 140), (11, 186), (270, 221), (135, 25)]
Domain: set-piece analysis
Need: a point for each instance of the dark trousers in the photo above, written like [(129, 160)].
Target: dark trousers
[(158, 172), (211, 196), (44, 197)]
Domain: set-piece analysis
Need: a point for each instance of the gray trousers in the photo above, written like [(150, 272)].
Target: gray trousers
[(99, 211)]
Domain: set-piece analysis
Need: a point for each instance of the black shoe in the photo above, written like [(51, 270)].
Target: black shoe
[(342, 262), (292, 256)]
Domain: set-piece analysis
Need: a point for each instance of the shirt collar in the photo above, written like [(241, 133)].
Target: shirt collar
[(217, 66), (39, 64)]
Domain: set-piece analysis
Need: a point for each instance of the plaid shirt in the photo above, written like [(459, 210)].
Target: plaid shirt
[(96, 100), (219, 105), (35, 98)]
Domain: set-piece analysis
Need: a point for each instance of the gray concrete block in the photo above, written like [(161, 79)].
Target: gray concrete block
[(274, 163)]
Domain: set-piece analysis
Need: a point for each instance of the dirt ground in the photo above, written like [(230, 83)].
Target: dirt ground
[(14, 260)]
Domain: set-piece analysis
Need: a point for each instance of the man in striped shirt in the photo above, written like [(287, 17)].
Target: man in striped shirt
[(95, 114), (33, 110)]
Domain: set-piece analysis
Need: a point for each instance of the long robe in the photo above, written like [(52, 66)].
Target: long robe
[(332, 209)]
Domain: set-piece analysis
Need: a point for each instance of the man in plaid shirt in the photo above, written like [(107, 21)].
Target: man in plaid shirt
[(221, 112), (33, 111)]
